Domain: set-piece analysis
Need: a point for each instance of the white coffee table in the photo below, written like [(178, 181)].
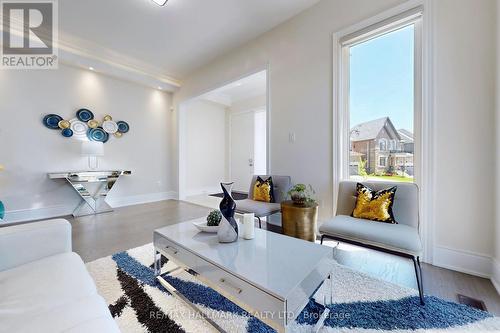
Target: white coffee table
[(272, 275)]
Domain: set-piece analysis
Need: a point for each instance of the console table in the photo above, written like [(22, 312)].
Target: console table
[(272, 276), (93, 201)]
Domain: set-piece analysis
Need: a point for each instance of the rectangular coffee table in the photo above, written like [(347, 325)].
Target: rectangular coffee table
[(272, 276)]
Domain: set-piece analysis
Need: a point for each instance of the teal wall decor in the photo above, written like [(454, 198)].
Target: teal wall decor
[(86, 127)]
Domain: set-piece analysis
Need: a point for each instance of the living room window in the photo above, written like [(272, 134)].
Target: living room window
[(381, 99)]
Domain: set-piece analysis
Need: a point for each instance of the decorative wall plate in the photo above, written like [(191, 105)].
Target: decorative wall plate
[(97, 134), (110, 126), (84, 115), (85, 127), (67, 132), (52, 121), (79, 129), (93, 123), (64, 124), (123, 127)]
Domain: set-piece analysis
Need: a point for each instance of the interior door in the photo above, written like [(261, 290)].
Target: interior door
[(242, 150)]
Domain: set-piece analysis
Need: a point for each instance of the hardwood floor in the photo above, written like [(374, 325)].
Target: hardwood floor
[(128, 227)]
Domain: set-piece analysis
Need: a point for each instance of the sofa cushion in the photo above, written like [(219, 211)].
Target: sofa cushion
[(89, 314), (47, 289), (258, 207), (396, 237)]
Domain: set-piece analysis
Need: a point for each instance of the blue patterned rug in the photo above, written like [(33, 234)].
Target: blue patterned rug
[(139, 303)]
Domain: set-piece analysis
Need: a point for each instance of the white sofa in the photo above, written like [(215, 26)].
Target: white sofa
[(44, 287)]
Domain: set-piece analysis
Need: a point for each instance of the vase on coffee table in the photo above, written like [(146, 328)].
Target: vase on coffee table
[(228, 228)]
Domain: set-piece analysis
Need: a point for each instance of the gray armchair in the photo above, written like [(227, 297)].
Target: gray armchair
[(263, 209), (400, 239)]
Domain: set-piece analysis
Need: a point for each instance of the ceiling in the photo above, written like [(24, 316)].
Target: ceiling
[(172, 40), (245, 88)]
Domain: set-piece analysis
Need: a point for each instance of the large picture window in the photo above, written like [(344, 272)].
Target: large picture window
[(382, 98)]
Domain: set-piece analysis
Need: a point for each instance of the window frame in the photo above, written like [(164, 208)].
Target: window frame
[(412, 16), (424, 148)]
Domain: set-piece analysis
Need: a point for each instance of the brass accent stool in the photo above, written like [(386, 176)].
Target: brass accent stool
[(299, 221)]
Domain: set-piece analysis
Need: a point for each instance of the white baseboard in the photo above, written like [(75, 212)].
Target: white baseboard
[(495, 276), (141, 199), (463, 261), (24, 215)]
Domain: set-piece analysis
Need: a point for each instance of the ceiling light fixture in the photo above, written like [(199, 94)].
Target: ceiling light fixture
[(91, 68), (160, 2)]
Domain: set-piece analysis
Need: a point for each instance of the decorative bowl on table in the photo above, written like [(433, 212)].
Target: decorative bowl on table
[(212, 222), (204, 227)]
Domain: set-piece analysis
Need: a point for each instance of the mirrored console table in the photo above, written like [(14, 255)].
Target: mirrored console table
[(93, 187)]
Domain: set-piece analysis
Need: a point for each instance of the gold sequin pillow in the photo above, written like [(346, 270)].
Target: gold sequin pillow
[(263, 190), (374, 205)]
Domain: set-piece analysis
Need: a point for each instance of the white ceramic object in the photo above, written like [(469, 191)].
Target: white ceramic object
[(203, 227), (248, 226), (79, 129), (110, 126)]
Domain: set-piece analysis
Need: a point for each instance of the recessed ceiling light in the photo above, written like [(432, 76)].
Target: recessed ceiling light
[(91, 68), (160, 88), (160, 2)]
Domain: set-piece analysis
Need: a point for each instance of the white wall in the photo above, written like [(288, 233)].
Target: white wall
[(206, 151), (299, 55), (465, 133), (29, 150)]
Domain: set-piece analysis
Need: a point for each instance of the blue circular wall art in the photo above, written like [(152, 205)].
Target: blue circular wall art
[(84, 115), (52, 121), (86, 127), (67, 133), (123, 127), (97, 134)]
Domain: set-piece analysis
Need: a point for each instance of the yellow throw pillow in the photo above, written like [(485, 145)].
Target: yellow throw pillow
[(263, 190), (374, 205)]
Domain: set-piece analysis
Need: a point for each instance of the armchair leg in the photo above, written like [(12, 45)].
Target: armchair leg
[(260, 222), (322, 237), (418, 274)]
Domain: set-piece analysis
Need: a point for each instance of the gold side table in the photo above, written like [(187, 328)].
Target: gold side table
[(299, 221)]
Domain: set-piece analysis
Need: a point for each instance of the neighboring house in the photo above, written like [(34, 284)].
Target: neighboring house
[(382, 147)]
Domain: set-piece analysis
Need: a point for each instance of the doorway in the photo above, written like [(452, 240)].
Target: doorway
[(248, 147), (223, 137)]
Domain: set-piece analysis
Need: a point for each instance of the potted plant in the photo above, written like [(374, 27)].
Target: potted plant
[(302, 194), (214, 218)]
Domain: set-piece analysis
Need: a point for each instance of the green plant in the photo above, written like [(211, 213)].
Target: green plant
[(362, 168), (214, 218), (302, 194)]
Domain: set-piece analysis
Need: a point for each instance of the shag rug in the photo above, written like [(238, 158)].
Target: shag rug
[(139, 303)]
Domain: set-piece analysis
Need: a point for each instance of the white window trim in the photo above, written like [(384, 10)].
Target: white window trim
[(424, 120)]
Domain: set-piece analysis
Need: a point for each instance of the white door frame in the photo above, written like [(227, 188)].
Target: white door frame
[(424, 124), (181, 126)]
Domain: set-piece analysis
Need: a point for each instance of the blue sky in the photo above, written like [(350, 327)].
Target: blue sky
[(381, 79)]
